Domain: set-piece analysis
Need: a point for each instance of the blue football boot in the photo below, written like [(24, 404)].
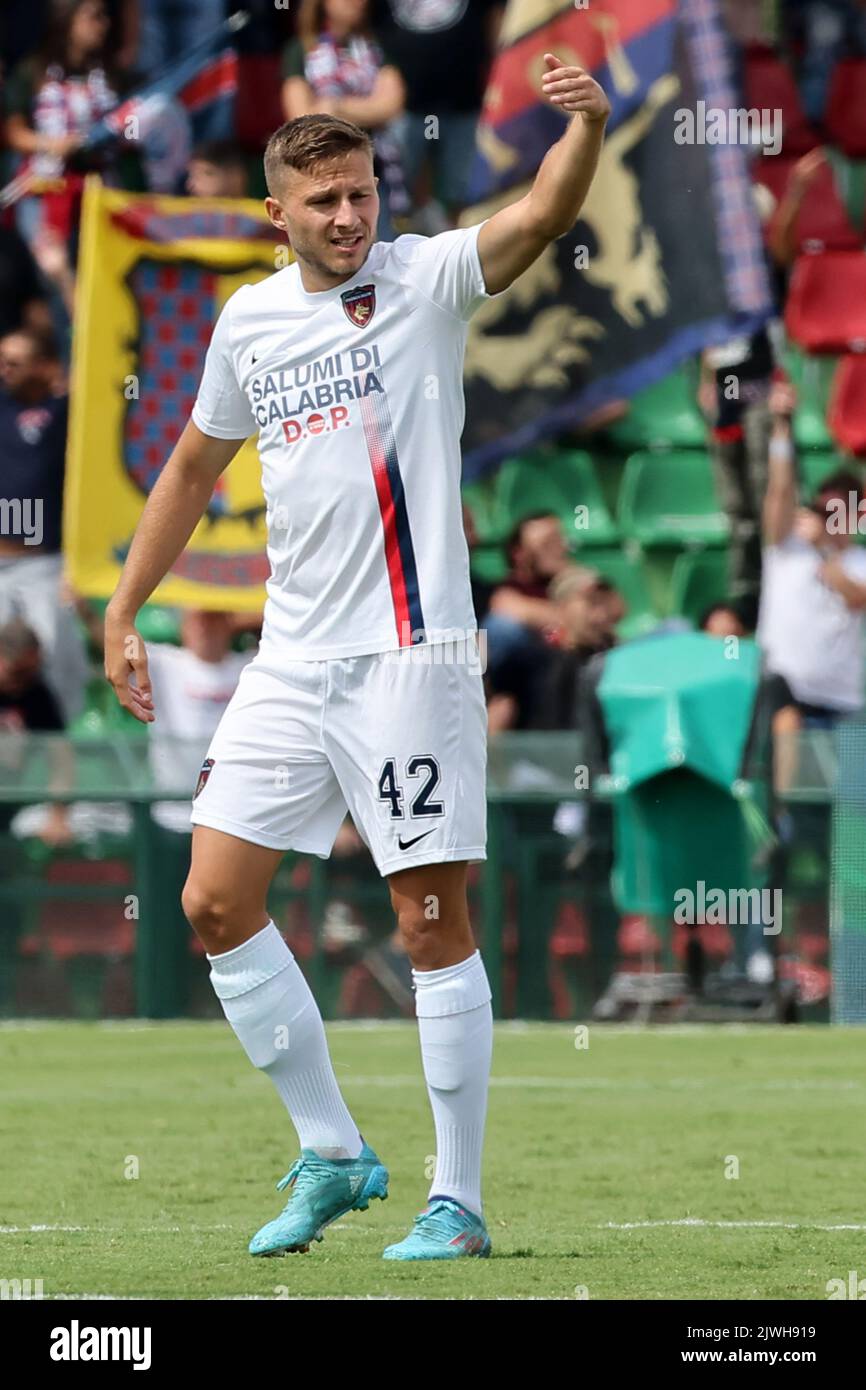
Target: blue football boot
[(443, 1231), (322, 1190)]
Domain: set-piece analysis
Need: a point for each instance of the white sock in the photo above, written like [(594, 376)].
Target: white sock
[(269, 1005), (455, 1023)]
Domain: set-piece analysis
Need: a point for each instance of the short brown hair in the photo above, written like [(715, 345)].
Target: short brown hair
[(307, 140)]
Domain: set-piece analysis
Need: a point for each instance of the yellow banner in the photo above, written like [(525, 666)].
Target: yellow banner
[(154, 273)]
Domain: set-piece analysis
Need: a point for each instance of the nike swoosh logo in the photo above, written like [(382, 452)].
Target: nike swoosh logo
[(407, 844)]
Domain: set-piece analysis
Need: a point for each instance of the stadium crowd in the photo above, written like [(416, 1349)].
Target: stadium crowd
[(390, 66)]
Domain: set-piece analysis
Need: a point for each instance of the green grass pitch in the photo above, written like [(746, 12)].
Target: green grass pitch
[(605, 1172)]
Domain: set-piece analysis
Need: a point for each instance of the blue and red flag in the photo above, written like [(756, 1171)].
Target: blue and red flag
[(206, 73), (667, 254)]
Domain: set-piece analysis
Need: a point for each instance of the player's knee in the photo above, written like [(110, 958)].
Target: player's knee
[(427, 939), (212, 915)]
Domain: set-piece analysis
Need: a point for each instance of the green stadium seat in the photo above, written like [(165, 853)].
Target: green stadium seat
[(487, 555), (815, 467), (626, 573), (698, 579), (812, 376), (663, 416), (488, 563), (491, 524), (157, 624), (670, 499), (558, 481)]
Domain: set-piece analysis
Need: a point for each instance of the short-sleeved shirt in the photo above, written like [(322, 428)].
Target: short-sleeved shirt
[(440, 47), (32, 454), (808, 633), (357, 395)]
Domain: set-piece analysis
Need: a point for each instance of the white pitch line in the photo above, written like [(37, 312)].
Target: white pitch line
[(685, 1222), (113, 1230), (35, 1230), (694, 1222), (308, 1298), (603, 1083)]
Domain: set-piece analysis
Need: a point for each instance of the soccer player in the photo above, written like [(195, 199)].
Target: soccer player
[(366, 692)]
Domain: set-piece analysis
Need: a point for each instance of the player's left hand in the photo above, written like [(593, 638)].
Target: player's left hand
[(573, 90)]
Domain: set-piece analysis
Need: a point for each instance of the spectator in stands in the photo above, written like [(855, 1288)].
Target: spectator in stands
[(782, 220), (823, 31), (28, 706), (26, 703), (722, 619), (51, 101), (336, 67), (736, 377), (217, 169), (522, 620), (584, 609), (33, 414), (615, 604), (443, 49), (192, 684), (813, 604), (537, 553)]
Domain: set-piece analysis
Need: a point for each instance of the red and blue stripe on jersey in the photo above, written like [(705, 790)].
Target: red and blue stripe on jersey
[(399, 551)]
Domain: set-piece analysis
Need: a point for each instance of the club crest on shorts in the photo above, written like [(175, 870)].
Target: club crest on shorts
[(203, 776), (360, 304)]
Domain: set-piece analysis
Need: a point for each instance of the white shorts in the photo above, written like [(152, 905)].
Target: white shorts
[(399, 739)]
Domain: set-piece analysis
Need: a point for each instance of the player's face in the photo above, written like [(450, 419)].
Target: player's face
[(329, 214)]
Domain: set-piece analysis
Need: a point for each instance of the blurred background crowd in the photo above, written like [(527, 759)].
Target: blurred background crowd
[(713, 495)]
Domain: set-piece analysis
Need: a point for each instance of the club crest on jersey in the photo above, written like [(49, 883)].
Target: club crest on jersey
[(203, 776), (360, 304)]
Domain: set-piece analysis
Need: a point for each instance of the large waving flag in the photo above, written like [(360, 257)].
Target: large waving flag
[(154, 273), (667, 254)]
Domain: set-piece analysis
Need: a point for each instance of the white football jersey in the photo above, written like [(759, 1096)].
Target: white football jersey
[(357, 396)]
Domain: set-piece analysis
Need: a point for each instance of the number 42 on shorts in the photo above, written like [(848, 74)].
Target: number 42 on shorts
[(421, 770)]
